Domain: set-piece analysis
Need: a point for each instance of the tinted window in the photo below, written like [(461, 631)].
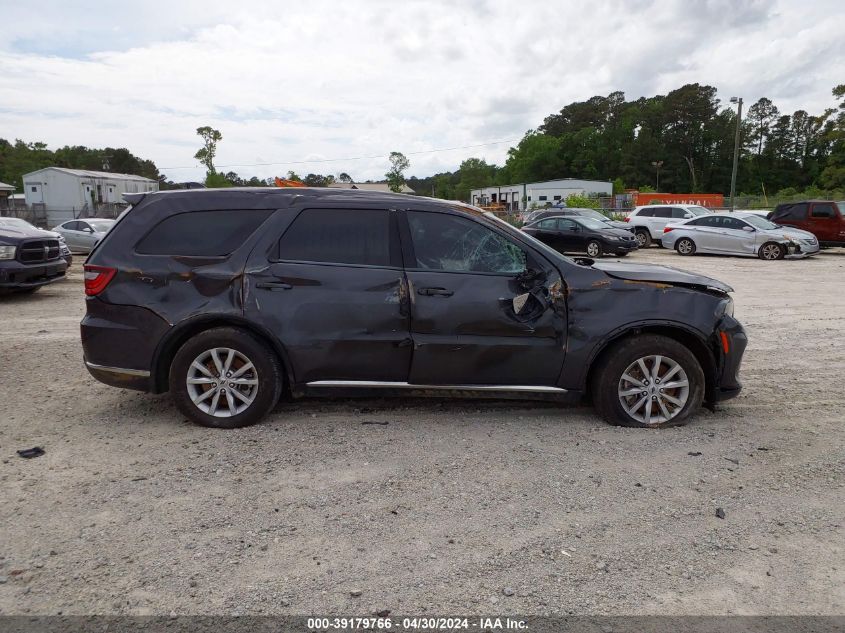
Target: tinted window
[(201, 233), (733, 223), (646, 213), (677, 212), (705, 221), (338, 236), (566, 225), (83, 226), (451, 243), (822, 211), (71, 226), (790, 212), (547, 224), (663, 212)]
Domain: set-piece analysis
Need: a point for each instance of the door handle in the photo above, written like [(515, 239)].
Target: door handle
[(273, 285), (430, 292)]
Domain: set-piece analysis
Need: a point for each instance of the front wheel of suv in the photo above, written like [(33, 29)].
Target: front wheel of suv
[(648, 381), (225, 378)]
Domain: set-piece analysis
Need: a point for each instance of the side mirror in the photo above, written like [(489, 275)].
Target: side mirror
[(750, 229), (687, 216)]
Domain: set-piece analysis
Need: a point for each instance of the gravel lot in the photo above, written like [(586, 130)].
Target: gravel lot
[(430, 506)]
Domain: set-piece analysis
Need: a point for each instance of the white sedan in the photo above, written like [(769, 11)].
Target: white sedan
[(82, 235), (740, 233)]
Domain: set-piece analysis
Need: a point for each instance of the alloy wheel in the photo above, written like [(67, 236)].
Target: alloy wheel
[(640, 239), (685, 247), (593, 249), (771, 251), (653, 389), (222, 382)]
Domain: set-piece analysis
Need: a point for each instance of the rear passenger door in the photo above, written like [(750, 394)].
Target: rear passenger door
[(332, 290)]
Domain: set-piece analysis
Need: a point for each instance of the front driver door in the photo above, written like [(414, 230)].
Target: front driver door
[(463, 277)]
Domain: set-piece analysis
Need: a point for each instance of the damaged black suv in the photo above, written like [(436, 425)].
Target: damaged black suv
[(231, 298)]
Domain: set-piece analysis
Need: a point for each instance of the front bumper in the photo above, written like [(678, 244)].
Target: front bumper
[(17, 276), (731, 341), (622, 247), (800, 250)]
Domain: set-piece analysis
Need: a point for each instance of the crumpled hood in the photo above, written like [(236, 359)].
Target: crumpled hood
[(660, 274)]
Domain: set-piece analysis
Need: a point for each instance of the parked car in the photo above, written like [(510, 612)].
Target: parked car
[(563, 212), (337, 292), (648, 221), (23, 224), (29, 258), (83, 235), (739, 233), (582, 235), (822, 218)]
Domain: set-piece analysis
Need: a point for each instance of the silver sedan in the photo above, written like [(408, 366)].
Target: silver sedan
[(740, 233), (82, 235)]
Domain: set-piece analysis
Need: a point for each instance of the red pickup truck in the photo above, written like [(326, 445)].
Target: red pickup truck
[(822, 218)]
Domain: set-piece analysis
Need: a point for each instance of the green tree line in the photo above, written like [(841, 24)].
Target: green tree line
[(688, 130)]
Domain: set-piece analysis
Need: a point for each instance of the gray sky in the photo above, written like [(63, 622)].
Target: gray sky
[(308, 81)]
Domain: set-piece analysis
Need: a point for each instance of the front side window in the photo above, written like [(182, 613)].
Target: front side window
[(202, 233), (822, 211), (338, 236), (451, 243), (547, 224), (677, 212), (733, 223)]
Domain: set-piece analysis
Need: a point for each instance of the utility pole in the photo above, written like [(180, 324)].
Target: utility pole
[(657, 164), (738, 101)]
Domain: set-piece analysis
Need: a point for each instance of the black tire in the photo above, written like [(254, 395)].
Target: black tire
[(685, 246), (622, 254), (595, 247), (268, 372), (607, 377), (643, 238), (771, 251)]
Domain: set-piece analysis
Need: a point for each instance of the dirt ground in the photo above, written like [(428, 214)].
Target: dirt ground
[(431, 506)]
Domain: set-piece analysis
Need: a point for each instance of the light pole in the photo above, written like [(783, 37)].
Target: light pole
[(738, 101), (657, 164)]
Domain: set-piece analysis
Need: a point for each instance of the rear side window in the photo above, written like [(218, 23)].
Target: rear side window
[(663, 212), (822, 211), (706, 221), (338, 236), (645, 213), (202, 233), (790, 212)]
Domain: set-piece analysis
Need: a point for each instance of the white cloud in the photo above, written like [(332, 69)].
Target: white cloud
[(322, 80)]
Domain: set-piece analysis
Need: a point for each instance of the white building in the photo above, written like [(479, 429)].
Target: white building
[(370, 186), (80, 189), (522, 196)]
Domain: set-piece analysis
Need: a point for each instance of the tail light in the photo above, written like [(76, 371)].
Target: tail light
[(666, 229), (97, 278), (627, 218)]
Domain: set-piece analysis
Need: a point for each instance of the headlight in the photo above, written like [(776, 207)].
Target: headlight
[(726, 307), (7, 252)]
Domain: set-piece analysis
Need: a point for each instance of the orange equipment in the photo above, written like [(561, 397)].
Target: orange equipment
[(282, 182)]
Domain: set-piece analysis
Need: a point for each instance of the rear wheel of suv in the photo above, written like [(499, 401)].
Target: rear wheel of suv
[(225, 378), (648, 381), (771, 251), (643, 238), (685, 246)]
